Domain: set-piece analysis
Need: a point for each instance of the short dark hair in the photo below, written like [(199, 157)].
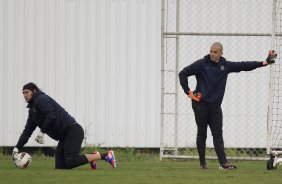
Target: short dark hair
[(30, 86)]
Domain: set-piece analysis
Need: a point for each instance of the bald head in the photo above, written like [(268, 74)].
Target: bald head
[(218, 45), (216, 52)]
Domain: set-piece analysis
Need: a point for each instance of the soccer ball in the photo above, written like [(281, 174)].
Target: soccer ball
[(23, 161)]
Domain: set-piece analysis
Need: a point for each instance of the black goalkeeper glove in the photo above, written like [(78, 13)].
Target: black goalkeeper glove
[(271, 57)]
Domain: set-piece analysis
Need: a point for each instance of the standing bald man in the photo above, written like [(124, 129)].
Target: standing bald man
[(211, 74)]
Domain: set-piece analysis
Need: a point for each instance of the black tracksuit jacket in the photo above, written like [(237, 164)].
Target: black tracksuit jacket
[(211, 77), (48, 115)]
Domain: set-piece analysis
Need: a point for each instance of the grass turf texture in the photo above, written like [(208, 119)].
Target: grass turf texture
[(140, 172)]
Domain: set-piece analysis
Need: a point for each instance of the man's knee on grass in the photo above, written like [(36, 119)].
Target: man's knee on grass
[(75, 161)]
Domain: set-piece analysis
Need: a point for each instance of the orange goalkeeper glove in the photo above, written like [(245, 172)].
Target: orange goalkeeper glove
[(195, 96)]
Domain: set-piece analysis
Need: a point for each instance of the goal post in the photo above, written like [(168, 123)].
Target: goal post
[(271, 92), (274, 133), (247, 30)]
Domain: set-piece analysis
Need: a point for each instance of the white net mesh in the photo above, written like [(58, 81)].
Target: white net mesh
[(276, 134)]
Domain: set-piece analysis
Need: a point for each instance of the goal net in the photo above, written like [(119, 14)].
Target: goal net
[(245, 28), (275, 108)]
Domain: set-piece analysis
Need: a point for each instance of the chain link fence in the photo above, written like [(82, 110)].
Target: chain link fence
[(189, 27)]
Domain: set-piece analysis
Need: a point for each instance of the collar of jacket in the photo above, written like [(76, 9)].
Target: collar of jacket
[(221, 59)]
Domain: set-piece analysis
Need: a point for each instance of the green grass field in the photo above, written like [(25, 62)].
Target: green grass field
[(152, 172)]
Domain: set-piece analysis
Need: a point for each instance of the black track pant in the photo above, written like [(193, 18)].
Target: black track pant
[(209, 115), (67, 152)]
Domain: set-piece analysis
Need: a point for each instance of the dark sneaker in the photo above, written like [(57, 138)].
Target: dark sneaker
[(110, 158), (203, 167), (227, 167)]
